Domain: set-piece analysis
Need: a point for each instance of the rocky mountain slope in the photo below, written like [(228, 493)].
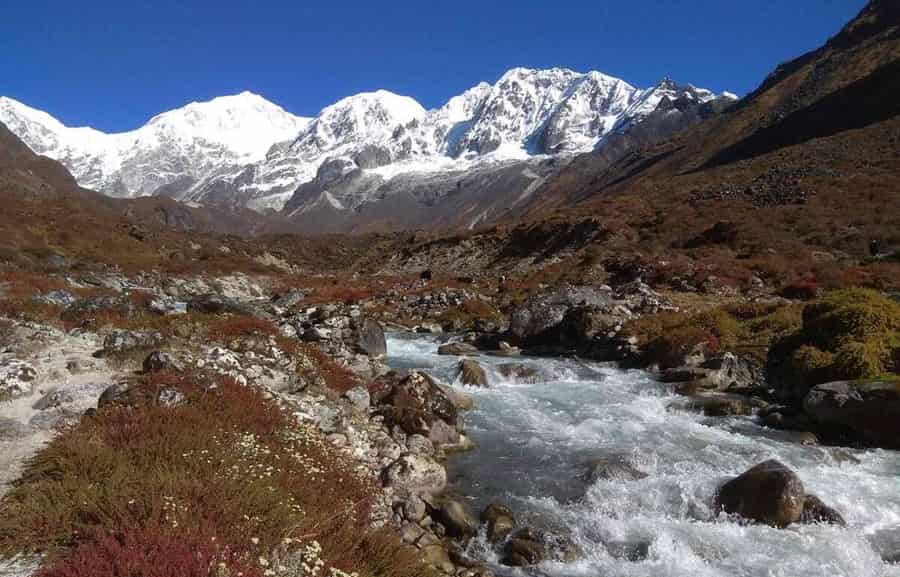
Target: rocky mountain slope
[(242, 150)]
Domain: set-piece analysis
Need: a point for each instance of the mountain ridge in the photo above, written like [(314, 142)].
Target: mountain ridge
[(204, 153)]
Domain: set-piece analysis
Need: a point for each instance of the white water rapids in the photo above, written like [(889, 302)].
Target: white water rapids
[(534, 439)]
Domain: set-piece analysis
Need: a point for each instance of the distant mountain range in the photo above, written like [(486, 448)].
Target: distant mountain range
[(369, 157)]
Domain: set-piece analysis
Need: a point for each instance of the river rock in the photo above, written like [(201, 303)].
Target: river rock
[(499, 520), (457, 520), (519, 373), (158, 361), (865, 411), (768, 493), (457, 349), (369, 338), (611, 469), (416, 474), (722, 404), (16, 379), (121, 341), (471, 373), (52, 400), (522, 552), (415, 403), (816, 511)]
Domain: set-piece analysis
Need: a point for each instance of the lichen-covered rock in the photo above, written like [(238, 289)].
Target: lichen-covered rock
[(122, 341), (159, 361)]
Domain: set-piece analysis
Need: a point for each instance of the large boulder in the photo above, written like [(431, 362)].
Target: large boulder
[(816, 511), (867, 412), (418, 405), (767, 493), (534, 321)]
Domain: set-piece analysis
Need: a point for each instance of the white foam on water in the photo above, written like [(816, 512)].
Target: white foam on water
[(535, 438)]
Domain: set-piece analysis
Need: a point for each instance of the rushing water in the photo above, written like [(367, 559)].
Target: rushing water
[(534, 440)]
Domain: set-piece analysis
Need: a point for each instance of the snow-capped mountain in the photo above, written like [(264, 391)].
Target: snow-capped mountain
[(175, 146), (244, 150)]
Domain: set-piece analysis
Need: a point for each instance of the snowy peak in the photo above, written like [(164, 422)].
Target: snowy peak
[(242, 149), (244, 124)]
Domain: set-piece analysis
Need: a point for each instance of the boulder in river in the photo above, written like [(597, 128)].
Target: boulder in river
[(456, 519), (866, 411), (611, 469), (499, 520), (519, 372), (471, 373), (768, 493), (723, 404), (457, 349), (816, 511), (535, 321)]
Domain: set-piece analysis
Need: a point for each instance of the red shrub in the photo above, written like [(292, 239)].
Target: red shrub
[(147, 553), (802, 289)]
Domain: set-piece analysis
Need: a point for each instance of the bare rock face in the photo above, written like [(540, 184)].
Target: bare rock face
[(767, 493)]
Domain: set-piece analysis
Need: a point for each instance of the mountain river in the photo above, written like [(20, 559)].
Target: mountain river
[(535, 438)]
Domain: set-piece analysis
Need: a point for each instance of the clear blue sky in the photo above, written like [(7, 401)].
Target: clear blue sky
[(113, 64)]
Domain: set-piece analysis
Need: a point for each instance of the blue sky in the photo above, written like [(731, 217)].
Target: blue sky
[(113, 64)]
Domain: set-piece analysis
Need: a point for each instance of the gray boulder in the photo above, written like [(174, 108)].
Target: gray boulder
[(158, 361), (121, 341), (540, 314), (867, 412), (370, 338), (416, 474)]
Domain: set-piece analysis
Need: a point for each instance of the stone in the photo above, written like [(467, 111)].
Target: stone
[(868, 412), (359, 397), (413, 474), (471, 373), (420, 444), (525, 547), (443, 434), (535, 319), (16, 379), (457, 349), (722, 404), (632, 551), (169, 397), (499, 520), (121, 341), (768, 493), (414, 509), (520, 373), (211, 303), (370, 338), (456, 519), (611, 469), (158, 361), (118, 394), (816, 511), (436, 555), (52, 400)]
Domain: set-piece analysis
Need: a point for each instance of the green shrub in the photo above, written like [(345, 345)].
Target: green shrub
[(849, 334)]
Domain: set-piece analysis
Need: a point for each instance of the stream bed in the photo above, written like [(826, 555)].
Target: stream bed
[(535, 435)]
